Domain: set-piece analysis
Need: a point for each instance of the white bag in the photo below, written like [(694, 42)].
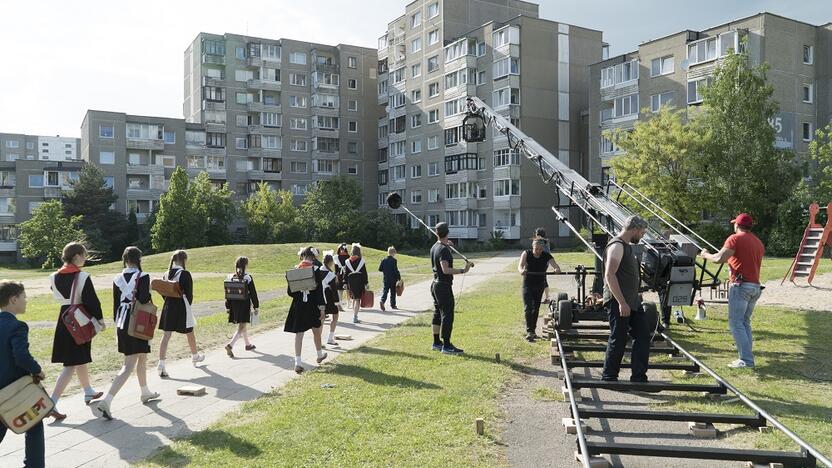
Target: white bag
[(23, 403), (255, 317)]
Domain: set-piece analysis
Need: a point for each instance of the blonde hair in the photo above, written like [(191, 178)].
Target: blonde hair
[(179, 257), (391, 250)]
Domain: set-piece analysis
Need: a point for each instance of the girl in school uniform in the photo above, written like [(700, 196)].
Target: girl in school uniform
[(129, 285), (330, 285), (239, 311), (342, 255), (357, 279), (307, 310), (176, 312), (73, 356)]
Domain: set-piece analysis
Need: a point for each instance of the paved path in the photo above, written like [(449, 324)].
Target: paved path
[(138, 430)]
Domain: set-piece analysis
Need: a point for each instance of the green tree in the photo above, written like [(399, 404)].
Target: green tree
[(742, 169), (213, 208), (270, 216), (333, 209), (133, 228), (176, 225), (43, 237), (661, 160), (380, 230), (91, 198)]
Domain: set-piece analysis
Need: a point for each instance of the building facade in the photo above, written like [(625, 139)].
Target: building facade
[(285, 112), (671, 71), (531, 70), (33, 169)]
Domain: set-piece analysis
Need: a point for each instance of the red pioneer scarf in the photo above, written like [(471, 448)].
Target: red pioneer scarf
[(69, 268)]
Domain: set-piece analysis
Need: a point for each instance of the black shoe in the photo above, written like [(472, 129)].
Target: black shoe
[(609, 379), (530, 338), (451, 349), (394, 307)]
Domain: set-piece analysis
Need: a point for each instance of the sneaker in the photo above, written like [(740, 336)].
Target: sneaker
[(451, 350), (58, 416), (229, 351), (299, 369), (355, 319), (197, 358), (394, 307), (102, 409), (332, 342), (381, 306), (436, 347), (530, 337), (740, 364), (94, 396), (250, 347), (321, 359), (148, 397), (162, 372)]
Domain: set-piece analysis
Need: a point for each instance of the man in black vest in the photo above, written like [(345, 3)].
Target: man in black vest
[(442, 291), (621, 283)]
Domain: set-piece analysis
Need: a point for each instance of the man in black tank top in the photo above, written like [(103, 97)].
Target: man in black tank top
[(536, 260), (621, 284), (442, 291)]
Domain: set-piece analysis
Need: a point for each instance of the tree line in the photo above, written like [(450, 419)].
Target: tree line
[(198, 213), (704, 164)]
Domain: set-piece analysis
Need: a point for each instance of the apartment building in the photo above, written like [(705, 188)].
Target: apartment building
[(283, 111), (33, 169), (529, 69), (670, 71)]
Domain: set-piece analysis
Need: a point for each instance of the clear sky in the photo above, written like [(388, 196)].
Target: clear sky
[(60, 58)]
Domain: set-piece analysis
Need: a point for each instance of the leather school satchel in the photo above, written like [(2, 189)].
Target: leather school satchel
[(23, 403), (236, 289), (167, 287), (367, 299), (143, 321), (79, 323), (301, 279), (399, 287)]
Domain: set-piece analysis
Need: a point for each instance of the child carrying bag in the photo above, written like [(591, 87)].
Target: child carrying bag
[(80, 324), (236, 289), (301, 279), (24, 403), (367, 299), (167, 287), (143, 320), (399, 287)]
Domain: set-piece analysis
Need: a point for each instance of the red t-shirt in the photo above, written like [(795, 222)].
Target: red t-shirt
[(747, 258)]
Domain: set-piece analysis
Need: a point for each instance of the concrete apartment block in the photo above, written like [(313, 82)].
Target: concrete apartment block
[(532, 70), (287, 112), (668, 71)]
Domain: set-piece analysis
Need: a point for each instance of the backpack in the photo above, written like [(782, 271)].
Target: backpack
[(167, 287), (301, 279), (236, 288)]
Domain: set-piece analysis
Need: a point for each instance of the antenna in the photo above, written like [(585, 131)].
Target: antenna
[(685, 64)]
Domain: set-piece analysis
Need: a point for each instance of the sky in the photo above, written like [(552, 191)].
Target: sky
[(60, 58)]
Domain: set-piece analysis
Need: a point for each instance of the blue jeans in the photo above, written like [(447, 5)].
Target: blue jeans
[(741, 300), (389, 288), (35, 446)]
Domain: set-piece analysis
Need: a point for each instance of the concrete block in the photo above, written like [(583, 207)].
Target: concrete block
[(765, 429), (703, 430), (763, 465), (570, 427), (594, 460)]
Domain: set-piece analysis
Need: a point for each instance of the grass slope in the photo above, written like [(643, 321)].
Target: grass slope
[(395, 402)]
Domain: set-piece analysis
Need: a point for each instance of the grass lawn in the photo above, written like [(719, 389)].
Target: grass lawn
[(792, 379), (395, 402)]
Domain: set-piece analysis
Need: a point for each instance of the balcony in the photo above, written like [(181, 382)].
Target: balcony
[(453, 204), (258, 175), (263, 152), (209, 81), (462, 233), (383, 98), (326, 68), (254, 61), (265, 85), (507, 172), (508, 232), (469, 60), (509, 111), (465, 175), (213, 106), (507, 202), (145, 169), (213, 59), (8, 246), (460, 90), (146, 144), (325, 132), (215, 127), (263, 107), (53, 192)]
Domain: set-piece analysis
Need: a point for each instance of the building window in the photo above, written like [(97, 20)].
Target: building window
[(271, 142), (241, 143), (433, 89), (661, 66), (416, 120), (433, 10), (16, 144), (506, 157), (504, 67), (352, 83), (352, 147), (297, 167), (416, 171), (416, 96), (608, 146), (170, 137), (415, 146), (352, 105), (807, 131), (243, 75), (695, 88), (106, 157), (36, 181), (624, 106), (702, 50), (297, 101), (457, 106), (808, 54), (433, 142), (416, 70), (415, 19), (352, 126), (621, 73), (352, 62), (663, 99), (433, 63), (298, 58), (416, 196), (433, 37), (298, 123), (297, 79), (506, 187), (480, 77), (416, 45), (352, 169), (808, 93), (244, 98), (104, 131), (240, 53), (398, 172), (382, 177), (433, 116), (433, 169), (452, 136), (299, 145), (397, 149)]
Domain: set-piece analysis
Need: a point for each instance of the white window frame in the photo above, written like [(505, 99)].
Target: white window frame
[(416, 120), (803, 131), (352, 126), (698, 94), (433, 169), (415, 19), (811, 50), (811, 88), (435, 7), (415, 45), (416, 70), (416, 171), (437, 87), (661, 99), (433, 142), (434, 115), (433, 37), (416, 146), (663, 68)]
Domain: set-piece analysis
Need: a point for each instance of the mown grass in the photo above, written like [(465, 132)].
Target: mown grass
[(395, 402)]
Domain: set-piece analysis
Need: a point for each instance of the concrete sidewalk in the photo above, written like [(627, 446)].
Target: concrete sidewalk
[(138, 430)]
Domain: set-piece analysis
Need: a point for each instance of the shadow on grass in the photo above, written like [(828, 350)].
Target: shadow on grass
[(387, 353), (208, 441), (380, 378)]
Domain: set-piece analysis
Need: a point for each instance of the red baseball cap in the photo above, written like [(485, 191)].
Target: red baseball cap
[(743, 220)]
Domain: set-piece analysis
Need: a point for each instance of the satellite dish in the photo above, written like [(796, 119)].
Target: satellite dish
[(685, 64)]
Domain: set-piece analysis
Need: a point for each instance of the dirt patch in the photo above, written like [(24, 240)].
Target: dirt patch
[(799, 295)]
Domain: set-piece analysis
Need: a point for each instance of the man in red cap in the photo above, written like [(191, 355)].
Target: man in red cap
[(743, 252)]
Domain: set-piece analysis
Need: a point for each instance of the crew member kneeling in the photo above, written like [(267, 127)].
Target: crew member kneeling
[(621, 283)]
